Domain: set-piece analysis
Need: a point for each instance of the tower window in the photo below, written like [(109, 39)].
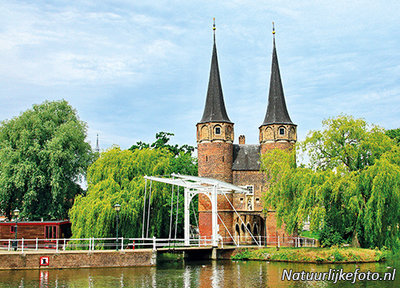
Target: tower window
[(250, 188), (281, 131), (217, 130)]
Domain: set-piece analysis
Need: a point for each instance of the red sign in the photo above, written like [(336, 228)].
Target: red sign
[(44, 261)]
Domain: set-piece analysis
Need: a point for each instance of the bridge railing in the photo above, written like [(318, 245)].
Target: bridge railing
[(275, 240), (93, 243), (121, 243)]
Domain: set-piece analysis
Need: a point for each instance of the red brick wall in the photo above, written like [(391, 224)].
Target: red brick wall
[(205, 224), (224, 211), (215, 160), (273, 231), (69, 259), (242, 178)]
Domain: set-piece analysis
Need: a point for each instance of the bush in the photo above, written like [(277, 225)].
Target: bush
[(329, 237), (241, 255), (337, 256)]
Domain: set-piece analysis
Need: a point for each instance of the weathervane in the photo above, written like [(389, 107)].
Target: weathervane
[(273, 29), (214, 28)]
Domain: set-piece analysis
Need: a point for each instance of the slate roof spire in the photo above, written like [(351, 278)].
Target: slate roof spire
[(97, 149), (276, 112), (214, 110)]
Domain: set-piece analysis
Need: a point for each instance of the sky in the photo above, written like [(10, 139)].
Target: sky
[(134, 68)]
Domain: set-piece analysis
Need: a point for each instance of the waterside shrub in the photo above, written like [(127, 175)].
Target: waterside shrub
[(313, 255)]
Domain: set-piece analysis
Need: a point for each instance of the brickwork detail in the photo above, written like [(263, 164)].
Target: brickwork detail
[(77, 259), (215, 132), (215, 160), (278, 132)]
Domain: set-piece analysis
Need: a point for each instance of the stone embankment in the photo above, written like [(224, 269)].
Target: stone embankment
[(76, 259)]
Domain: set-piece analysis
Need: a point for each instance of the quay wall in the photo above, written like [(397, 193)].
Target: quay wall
[(77, 259)]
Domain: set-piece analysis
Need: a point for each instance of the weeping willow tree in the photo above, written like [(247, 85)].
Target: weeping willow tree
[(350, 188), (117, 178)]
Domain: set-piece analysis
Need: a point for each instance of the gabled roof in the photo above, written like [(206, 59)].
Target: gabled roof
[(246, 157), (214, 111), (276, 112)]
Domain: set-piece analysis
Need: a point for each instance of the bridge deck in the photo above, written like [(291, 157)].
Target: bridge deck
[(189, 248)]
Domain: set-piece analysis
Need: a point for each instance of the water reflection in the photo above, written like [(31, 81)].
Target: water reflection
[(222, 274)]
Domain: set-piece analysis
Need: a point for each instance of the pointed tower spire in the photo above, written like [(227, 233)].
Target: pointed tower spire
[(276, 112), (97, 149), (214, 111), (277, 130)]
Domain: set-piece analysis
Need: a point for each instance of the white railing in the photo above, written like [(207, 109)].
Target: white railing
[(292, 241), (121, 243), (91, 244)]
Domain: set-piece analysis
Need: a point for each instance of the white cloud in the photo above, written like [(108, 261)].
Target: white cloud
[(133, 68)]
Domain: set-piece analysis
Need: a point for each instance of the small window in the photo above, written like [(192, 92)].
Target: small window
[(51, 232), (223, 159), (281, 131), (12, 229), (206, 158), (250, 188), (217, 130), (250, 204), (241, 200), (257, 200)]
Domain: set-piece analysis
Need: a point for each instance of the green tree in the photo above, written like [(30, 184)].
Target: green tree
[(117, 177), (43, 154), (394, 134), (350, 187), (162, 139)]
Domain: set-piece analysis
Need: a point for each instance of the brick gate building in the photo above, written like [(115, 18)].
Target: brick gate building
[(239, 164)]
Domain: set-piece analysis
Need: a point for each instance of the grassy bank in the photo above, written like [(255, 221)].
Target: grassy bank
[(313, 255)]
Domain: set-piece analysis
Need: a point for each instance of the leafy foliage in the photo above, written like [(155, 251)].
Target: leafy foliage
[(162, 139), (394, 134), (117, 177), (350, 189), (43, 153)]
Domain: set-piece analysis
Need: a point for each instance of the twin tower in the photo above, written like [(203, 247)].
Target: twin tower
[(239, 164)]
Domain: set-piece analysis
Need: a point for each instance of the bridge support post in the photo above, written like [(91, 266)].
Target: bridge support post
[(214, 254), (214, 215), (153, 260), (187, 216)]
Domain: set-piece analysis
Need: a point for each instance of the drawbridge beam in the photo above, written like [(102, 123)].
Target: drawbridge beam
[(194, 185)]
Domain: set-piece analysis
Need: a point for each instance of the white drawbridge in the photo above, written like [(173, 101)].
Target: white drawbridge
[(194, 185)]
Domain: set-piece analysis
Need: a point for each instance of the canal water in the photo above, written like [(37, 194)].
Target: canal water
[(227, 274)]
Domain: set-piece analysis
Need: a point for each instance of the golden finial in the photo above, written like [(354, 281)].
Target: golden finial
[(273, 28), (214, 24)]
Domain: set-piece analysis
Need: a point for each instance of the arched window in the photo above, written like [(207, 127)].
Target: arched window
[(281, 131), (248, 227), (237, 229), (217, 130), (255, 229)]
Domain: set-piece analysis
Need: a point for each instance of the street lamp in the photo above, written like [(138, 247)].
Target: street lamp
[(117, 208), (16, 214)]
